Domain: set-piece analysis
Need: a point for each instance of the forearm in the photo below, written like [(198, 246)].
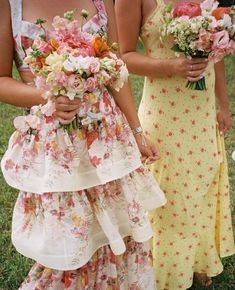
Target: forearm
[(126, 103), (141, 64), (19, 94), (220, 86)]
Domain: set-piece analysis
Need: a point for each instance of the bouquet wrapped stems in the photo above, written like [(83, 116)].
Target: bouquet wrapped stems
[(75, 124), (199, 85)]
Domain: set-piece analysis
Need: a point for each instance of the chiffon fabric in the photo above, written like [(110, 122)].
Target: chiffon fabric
[(81, 210)]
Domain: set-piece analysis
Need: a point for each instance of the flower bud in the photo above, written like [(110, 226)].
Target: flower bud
[(114, 46), (84, 13), (69, 15)]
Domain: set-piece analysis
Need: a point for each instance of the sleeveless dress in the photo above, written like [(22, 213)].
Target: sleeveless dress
[(194, 228), (80, 213)]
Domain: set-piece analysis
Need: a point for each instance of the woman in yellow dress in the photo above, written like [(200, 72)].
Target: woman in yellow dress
[(194, 229)]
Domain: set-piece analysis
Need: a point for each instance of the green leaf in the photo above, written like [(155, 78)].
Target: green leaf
[(40, 21), (176, 48)]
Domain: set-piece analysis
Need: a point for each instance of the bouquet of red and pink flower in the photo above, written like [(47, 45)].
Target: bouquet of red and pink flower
[(68, 61), (200, 30)]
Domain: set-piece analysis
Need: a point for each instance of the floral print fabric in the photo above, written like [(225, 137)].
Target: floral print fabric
[(194, 228), (43, 157), (83, 221), (105, 271), (81, 211)]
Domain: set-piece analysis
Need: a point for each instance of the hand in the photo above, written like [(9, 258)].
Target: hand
[(191, 69), (150, 152), (224, 120), (66, 109)]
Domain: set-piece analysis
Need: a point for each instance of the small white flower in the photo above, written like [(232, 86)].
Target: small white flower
[(225, 22), (209, 5)]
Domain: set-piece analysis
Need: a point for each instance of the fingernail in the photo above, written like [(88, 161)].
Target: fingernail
[(221, 133)]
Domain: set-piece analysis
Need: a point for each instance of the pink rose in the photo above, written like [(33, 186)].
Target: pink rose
[(61, 79), (90, 84), (40, 83), (45, 48), (60, 23), (49, 108), (95, 66), (205, 40), (217, 55), (187, 9), (76, 84), (221, 40)]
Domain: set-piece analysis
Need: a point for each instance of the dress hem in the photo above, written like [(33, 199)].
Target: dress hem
[(22, 250), (71, 185)]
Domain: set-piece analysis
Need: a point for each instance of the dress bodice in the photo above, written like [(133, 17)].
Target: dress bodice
[(158, 47), (151, 34), (24, 31)]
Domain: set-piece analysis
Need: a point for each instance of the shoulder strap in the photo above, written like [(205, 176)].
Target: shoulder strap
[(16, 15), (99, 4)]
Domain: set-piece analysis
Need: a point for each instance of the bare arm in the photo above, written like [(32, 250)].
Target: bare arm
[(129, 25), (124, 97), (220, 86), (223, 116), (12, 91)]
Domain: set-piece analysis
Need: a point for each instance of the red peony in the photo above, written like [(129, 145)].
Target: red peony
[(187, 9)]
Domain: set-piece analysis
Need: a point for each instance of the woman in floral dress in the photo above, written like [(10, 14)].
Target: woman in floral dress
[(194, 229), (80, 213)]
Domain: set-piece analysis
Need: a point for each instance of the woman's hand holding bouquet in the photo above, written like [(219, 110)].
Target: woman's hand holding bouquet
[(67, 61), (200, 31)]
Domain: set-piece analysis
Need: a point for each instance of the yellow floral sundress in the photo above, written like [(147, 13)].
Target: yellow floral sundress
[(194, 229)]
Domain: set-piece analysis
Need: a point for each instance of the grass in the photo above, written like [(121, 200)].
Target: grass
[(14, 267)]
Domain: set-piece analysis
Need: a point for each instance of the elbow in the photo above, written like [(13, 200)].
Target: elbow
[(126, 57)]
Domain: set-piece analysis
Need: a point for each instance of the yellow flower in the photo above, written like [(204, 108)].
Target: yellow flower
[(54, 44), (55, 61), (76, 220)]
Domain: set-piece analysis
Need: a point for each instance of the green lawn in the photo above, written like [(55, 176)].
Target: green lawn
[(14, 267)]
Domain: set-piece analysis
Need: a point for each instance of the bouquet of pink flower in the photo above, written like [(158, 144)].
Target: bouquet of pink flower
[(71, 62), (200, 30)]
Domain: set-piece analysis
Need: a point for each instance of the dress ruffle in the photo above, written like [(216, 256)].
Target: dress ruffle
[(132, 270), (44, 157), (63, 230)]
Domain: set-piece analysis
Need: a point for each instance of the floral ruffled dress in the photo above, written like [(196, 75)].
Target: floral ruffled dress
[(83, 194)]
